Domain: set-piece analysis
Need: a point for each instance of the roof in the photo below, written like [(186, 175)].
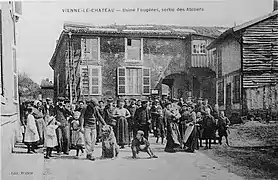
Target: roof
[(238, 28), (148, 30)]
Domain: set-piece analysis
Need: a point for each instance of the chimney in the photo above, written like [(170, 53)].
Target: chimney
[(275, 5)]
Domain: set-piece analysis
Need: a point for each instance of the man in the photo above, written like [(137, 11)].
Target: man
[(206, 105), (126, 103), (199, 106), (163, 101), (131, 127), (209, 126), (63, 131), (108, 113), (88, 119), (181, 102), (80, 106), (142, 119)]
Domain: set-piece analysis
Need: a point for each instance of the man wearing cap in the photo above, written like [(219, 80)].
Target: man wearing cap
[(132, 109), (108, 113), (63, 131), (142, 119), (88, 120)]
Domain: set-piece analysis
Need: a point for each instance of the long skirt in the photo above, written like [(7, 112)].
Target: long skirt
[(121, 131), (173, 137), (41, 128), (192, 139), (182, 128)]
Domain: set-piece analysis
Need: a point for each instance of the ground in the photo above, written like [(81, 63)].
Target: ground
[(175, 166), (253, 153)]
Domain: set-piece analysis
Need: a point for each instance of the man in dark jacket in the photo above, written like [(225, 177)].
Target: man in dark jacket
[(142, 119), (63, 131), (132, 109), (88, 119), (209, 127)]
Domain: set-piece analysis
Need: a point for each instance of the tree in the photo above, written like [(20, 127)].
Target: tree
[(27, 87)]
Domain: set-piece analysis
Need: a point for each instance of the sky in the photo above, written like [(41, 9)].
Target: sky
[(42, 21)]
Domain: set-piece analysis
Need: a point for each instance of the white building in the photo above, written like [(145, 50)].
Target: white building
[(9, 15)]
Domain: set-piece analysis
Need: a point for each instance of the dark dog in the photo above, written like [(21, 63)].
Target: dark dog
[(110, 148)]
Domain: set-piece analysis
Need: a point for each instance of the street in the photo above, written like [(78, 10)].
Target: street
[(175, 166)]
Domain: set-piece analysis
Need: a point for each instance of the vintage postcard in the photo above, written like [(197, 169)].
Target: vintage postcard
[(131, 89)]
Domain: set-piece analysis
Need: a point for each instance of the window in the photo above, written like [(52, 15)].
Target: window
[(221, 92), (121, 81), (133, 49), (1, 58), (90, 80), (199, 47), (90, 49), (133, 81), (146, 81), (236, 89)]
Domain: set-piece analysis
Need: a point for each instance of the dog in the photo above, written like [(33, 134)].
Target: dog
[(110, 148)]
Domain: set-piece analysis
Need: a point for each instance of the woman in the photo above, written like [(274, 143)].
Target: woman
[(190, 133), (37, 113), (31, 135), (173, 133), (121, 114)]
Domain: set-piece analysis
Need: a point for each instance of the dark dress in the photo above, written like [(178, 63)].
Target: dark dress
[(209, 126), (192, 140), (222, 125), (173, 133), (121, 132)]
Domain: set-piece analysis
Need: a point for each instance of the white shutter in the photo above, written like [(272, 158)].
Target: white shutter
[(95, 80), (121, 81), (146, 81), (84, 84)]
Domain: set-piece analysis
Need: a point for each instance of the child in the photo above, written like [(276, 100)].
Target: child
[(209, 126), (31, 135), (141, 144), (50, 136), (223, 124), (77, 136), (200, 129)]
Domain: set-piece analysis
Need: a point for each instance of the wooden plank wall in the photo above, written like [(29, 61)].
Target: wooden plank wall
[(260, 53)]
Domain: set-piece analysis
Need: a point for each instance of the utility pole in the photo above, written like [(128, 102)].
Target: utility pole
[(70, 68)]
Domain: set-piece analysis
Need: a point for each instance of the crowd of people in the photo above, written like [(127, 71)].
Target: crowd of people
[(65, 126)]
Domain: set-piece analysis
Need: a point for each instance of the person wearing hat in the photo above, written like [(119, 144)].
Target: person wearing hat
[(142, 119), (88, 119), (63, 131), (139, 143), (50, 135), (31, 135), (163, 101), (159, 123), (40, 123), (121, 115), (173, 133), (131, 127), (108, 113)]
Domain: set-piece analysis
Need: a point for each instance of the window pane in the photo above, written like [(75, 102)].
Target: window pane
[(146, 81), (94, 81), (146, 72), (146, 89), (121, 81), (133, 50), (89, 49), (95, 72), (121, 72), (94, 89), (121, 89)]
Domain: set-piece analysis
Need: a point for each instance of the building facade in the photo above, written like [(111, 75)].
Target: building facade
[(47, 89), (10, 127), (247, 58), (132, 61)]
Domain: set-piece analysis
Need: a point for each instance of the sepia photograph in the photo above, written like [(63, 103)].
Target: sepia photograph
[(137, 89)]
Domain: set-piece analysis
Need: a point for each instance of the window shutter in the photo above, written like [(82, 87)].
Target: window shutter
[(121, 78), (84, 85), (95, 78), (146, 81)]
